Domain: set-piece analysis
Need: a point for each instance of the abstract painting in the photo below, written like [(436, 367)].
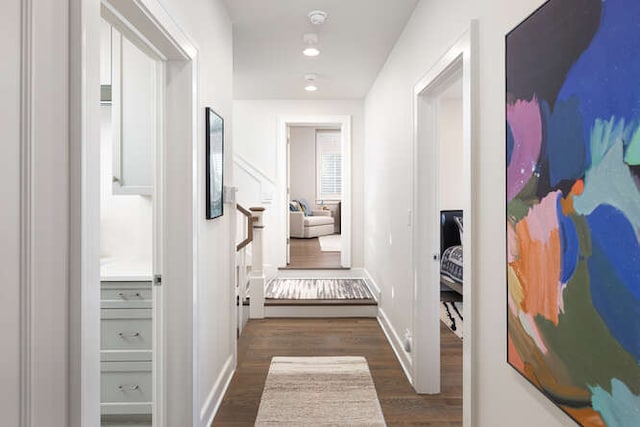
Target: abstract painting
[(573, 207)]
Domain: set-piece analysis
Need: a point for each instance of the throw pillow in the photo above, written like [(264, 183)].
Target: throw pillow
[(306, 207)]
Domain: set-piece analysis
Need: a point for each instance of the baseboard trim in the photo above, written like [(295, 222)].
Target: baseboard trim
[(371, 284), (270, 272), (214, 399), (396, 344)]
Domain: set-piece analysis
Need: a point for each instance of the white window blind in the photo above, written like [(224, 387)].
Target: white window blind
[(329, 165)]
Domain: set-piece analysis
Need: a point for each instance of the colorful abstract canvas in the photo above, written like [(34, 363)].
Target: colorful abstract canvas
[(573, 207)]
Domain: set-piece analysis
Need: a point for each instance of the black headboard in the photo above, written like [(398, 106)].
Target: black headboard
[(449, 233)]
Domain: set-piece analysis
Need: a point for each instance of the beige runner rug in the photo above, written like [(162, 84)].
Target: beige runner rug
[(319, 391)]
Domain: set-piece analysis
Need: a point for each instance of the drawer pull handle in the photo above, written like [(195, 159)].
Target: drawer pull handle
[(133, 335), (131, 387), (132, 295)]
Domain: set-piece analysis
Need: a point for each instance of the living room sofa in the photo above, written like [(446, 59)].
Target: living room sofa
[(320, 223)]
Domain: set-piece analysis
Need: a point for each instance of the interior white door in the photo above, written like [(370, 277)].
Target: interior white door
[(426, 247), (158, 247), (288, 193)]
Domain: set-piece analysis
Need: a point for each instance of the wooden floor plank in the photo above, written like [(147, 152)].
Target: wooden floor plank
[(263, 339), (306, 254)]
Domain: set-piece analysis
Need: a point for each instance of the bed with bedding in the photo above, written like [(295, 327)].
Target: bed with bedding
[(451, 253)]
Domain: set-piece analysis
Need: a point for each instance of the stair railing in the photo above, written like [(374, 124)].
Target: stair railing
[(250, 276), (247, 214), (256, 277)]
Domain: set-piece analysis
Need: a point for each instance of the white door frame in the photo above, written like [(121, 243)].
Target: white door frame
[(147, 22), (426, 311), (342, 122), (288, 168)]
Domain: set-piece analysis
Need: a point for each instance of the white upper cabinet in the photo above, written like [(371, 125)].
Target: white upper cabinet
[(105, 53), (134, 77)]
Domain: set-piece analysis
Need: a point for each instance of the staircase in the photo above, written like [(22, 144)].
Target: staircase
[(250, 283)]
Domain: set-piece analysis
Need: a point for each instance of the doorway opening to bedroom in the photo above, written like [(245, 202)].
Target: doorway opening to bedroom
[(451, 190), (443, 106)]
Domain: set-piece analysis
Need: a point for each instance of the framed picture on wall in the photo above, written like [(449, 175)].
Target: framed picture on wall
[(573, 207), (214, 163)]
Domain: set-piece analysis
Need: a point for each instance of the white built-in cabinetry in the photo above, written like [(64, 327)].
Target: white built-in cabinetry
[(126, 353), (130, 76)]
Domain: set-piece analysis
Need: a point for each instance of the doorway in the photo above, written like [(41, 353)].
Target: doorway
[(315, 197), (149, 27), (315, 152), (131, 113), (443, 168)]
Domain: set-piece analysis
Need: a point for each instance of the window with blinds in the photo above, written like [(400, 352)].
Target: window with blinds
[(329, 165)]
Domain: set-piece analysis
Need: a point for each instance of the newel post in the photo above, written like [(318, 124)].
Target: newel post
[(256, 281)]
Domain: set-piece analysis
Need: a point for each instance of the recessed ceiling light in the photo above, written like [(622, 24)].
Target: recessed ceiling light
[(311, 51), (311, 45), (310, 78)]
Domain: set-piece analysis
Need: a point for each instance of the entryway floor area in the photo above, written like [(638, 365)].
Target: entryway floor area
[(307, 254), (263, 339)]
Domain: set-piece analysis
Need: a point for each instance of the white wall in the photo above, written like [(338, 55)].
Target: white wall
[(502, 397), (10, 212), (37, 264), (125, 220), (451, 171), (208, 25), (302, 145), (255, 135)]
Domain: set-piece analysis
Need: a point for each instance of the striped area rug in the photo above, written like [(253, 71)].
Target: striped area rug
[(451, 315), (317, 289), (319, 391)]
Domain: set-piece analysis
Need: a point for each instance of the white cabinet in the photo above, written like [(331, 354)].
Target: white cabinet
[(134, 89), (126, 353), (105, 53), (126, 388), (127, 329)]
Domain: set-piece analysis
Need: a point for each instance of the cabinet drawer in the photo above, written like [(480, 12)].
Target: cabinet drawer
[(126, 295), (120, 420), (126, 329), (126, 382)]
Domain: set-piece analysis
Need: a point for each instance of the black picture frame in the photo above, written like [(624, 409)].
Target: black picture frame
[(214, 132)]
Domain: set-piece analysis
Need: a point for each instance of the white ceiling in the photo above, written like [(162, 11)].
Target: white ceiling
[(354, 43)]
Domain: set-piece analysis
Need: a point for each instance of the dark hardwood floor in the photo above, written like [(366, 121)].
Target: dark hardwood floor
[(306, 254), (263, 339)]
